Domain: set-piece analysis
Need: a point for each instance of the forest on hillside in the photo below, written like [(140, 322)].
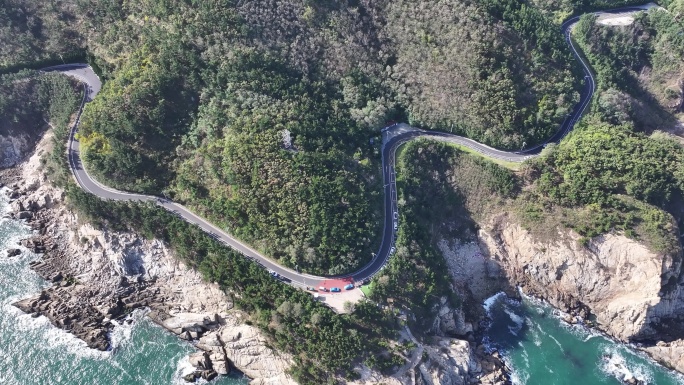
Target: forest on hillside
[(620, 169), (640, 67), (264, 116), (200, 97), (30, 102)]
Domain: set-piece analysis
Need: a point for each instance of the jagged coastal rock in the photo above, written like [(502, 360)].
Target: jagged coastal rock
[(454, 362), (12, 149), (670, 354), (633, 293), (100, 276), (631, 290)]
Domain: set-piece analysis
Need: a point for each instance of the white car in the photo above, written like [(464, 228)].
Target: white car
[(392, 250), (396, 215), (396, 226)]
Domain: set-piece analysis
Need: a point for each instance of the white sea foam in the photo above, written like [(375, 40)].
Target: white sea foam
[(122, 332), (183, 368), (54, 338), (536, 338), (557, 342), (539, 328), (518, 377), (518, 320), (616, 365), (491, 301), (525, 356)]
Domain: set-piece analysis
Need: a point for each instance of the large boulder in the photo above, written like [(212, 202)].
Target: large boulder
[(671, 354), (200, 360), (450, 322)]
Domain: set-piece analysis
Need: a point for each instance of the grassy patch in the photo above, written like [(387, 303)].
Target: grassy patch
[(514, 166), (368, 289)]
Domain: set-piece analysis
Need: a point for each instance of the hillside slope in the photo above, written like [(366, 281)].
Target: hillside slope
[(265, 115)]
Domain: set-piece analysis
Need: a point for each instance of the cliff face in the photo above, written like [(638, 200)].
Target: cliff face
[(670, 354), (100, 275), (630, 290), (12, 149)]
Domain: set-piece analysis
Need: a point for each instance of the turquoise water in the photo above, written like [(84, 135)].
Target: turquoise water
[(34, 352), (541, 349)]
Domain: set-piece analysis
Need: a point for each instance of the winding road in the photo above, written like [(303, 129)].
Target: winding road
[(393, 137)]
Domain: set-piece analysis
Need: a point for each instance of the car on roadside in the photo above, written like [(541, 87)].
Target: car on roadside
[(274, 274), (310, 288), (349, 286), (322, 288), (396, 226), (396, 215), (335, 290), (392, 250)]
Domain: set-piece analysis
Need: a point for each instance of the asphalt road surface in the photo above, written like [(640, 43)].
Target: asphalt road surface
[(393, 137)]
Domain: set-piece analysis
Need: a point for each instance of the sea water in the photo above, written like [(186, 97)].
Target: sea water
[(33, 352), (543, 350), (538, 347)]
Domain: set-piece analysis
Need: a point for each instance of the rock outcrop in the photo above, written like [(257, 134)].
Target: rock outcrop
[(454, 362), (669, 354), (13, 149), (451, 322), (100, 276), (633, 293)]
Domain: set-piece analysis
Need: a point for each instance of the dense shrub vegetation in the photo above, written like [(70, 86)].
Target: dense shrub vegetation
[(264, 116), (640, 68), (310, 205), (323, 344), (34, 33), (260, 114), (497, 71), (131, 129), (29, 101), (441, 191), (615, 179), (598, 161)]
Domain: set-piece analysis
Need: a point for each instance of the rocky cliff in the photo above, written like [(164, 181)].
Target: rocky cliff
[(633, 293), (669, 354), (99, 276), (12, 149)]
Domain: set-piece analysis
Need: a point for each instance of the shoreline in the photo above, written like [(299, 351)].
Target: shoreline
[(123, 262), (570, 321), (98, 277)]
